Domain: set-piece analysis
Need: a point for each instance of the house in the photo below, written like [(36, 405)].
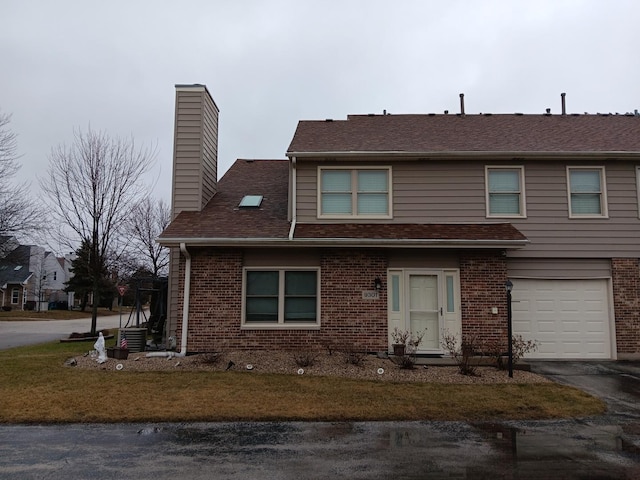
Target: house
[(410, 221), (30, 276)]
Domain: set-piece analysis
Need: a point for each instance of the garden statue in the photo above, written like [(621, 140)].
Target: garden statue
[(102, 351)]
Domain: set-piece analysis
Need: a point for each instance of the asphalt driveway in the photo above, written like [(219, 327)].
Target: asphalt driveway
[(616, 382)]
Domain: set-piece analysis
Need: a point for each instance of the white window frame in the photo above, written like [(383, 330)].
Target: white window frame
[(280, 325), (604, 210), (354, 193), (17, 299), (521, 193), (638, 188)]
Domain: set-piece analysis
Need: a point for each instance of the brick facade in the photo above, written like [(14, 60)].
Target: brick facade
[(482, 280), (347, 319), (626, 301)]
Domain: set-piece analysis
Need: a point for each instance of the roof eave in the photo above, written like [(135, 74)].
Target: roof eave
[(465, 154), (344, 242)]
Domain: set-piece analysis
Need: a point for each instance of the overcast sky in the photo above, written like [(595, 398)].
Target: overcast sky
[(66, 64)]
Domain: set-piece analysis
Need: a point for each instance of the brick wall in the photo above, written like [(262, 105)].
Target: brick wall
[(626, 301), (482, 279), (347, 320)]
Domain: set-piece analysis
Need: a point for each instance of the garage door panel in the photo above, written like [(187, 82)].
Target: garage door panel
[(568, 318)]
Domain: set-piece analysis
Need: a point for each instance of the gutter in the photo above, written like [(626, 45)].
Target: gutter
[(185, 308), (361, 242), (294, 195), (465, 155)]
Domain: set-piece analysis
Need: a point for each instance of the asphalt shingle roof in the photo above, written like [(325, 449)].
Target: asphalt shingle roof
[(469, 133), (222, 218)]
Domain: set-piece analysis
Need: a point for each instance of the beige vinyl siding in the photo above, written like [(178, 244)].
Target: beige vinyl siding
[(559, 268), (289, 257), (427, 191), (195, 149)]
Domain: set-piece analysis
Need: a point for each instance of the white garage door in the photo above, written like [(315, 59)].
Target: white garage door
[(569, 318)]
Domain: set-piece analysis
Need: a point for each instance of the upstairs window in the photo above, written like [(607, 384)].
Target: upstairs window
[(587, 193), (505, 192), (346, 192)]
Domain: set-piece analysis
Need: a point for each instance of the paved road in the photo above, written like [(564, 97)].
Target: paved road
[(16, 334)]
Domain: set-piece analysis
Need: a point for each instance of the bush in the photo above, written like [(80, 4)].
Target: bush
[(354, 356), (211, 358), (463, 351), (519, 347), (305, 359)]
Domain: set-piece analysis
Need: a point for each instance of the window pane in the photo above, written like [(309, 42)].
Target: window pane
[(262, 283), (372, 181), (585, 181), (336, 180), (450, 295), (395, 293), (300, 283), (504, 203), (260, 309), (373, 204), (586, 204), (300, 309), (336, 203), (504, 181)]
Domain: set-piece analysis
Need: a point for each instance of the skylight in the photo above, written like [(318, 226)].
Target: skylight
[(18, 267), (250, 201)]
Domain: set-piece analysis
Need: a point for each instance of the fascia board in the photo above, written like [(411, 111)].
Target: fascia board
[(462, 155)]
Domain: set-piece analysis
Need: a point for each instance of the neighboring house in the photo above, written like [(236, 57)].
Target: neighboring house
[(30, 277), (409, 221)]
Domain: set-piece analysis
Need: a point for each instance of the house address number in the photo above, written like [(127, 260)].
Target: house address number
[(370, 295)]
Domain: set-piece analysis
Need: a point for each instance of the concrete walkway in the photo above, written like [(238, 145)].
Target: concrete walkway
[(17, 334)]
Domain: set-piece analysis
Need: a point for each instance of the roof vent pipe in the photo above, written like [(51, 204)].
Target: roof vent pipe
[(564, 107), (462, 104)]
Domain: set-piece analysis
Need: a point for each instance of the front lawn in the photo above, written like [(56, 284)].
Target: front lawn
[(36, 386)]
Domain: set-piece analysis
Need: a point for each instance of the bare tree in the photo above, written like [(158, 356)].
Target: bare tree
[(18, 213), (147, 221), (92, 185)]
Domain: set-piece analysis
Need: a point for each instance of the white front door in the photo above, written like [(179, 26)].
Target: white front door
[(424, 311), (422, 299)]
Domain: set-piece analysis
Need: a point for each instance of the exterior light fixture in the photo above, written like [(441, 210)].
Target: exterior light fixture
[(509, 286), (377, 283)]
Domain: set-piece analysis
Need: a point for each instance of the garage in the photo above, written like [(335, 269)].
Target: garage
[(570, 319)]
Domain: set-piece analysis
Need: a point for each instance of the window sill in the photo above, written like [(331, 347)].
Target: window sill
[(588, 217), (280, 326)]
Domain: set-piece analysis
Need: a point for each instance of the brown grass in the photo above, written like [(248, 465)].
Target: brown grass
[(35, 386)]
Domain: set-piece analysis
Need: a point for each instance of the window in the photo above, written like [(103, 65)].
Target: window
[(638, 188), (15, 295), (55, 276), (345, 192), (505, 191), (587, 194), (281, 298)]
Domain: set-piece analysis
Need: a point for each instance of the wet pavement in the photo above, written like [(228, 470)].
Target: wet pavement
[(602, 447), (407, 450)]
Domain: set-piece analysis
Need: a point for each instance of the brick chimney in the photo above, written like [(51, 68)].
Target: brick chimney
[(195, 149)]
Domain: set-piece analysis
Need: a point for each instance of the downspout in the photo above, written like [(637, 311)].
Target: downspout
[(185, 308), (294, 195)]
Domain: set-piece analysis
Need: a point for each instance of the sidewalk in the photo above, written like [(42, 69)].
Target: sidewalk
[(17, 334)]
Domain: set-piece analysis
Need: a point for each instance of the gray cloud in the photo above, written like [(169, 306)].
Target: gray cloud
[(68, 64)]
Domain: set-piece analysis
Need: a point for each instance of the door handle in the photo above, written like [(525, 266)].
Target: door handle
[(440, 311)]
